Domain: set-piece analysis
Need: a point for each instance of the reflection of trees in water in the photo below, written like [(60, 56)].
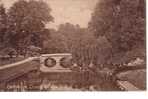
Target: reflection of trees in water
[(86, 81)]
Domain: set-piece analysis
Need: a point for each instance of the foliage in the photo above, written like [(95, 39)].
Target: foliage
[(84, 47), (26, 23), (121, 21), (56, 43), (3, 23)]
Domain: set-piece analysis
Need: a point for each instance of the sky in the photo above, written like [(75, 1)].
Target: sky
[(73, 11)]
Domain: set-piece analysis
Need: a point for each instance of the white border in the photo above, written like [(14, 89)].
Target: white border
[(77, 95)]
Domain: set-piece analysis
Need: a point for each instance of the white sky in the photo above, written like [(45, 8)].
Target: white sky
[(73, 11)]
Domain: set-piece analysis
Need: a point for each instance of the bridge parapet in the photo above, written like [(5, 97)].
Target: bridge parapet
[(12, 71)]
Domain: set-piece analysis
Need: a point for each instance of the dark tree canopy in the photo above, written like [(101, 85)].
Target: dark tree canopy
[(27, 21), (56, 43), (84, 47), (30, 16), (121, 21), (3, 23)]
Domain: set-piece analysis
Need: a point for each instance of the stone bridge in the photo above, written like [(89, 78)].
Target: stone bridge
[(56, 62)]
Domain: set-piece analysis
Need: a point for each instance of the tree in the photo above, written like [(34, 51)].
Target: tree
[(122, 22), (26, 22), (71, 33), (3, 22), (55, 43)]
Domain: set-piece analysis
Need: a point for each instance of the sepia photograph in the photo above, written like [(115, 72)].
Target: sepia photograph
[(72, 45)]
